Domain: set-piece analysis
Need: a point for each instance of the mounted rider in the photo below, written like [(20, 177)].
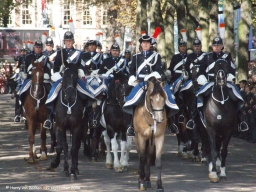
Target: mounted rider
[(198, 61), (63, 58), (49, 52), (144, 65), (235, 95), (35, 56)]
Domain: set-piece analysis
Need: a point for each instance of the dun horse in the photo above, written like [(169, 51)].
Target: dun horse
[(219, 118), (115, 121), (35, 110), (150, 123)]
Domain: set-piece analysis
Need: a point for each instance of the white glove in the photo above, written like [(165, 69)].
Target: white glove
[(81, 73), (104, 75), (168, 73), (23, 75), (94, 72), (133, 81), (46, 76), (230, 77), (56, 76)]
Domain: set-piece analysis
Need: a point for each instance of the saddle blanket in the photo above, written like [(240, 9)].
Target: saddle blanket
[(206, 89), (25, 86), (102, 118), (56, 87), (138, 92), (97, 84)]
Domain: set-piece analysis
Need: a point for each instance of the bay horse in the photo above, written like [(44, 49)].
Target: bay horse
[(220, 120), (115, 121), (150, 122), (70, 110), (35, 111)]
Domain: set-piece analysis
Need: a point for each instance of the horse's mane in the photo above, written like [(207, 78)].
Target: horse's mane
[(157, 87)]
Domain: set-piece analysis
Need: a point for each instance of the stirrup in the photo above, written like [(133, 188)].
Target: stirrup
[(181, 119), (174, 129), (130, 132), (243, 126), (47, 124), (17, 119), (190, 124)]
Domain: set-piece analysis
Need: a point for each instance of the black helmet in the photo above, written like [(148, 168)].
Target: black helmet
[(92, 42), (99, 45), (217, 41), (38, 43), (197, 42), (68, 35), (49, 41), (127, 51), (182, 42), (115, 46), (23, 49)]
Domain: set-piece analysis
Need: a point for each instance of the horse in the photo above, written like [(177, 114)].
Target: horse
[(219, 112), (70, 110), (115, 121), (35, 111), (150, 122)]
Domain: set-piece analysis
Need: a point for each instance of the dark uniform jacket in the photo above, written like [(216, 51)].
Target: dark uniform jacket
[(110, 62), (196, 60), (154, 64), (177, 59), (47, 53), (71, 55), (21, 63), (212, 57), (37, 58), (91, 62)]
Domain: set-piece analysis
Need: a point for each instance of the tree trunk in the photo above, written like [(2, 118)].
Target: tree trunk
[(204, 17), (243, 31), (213, 26), (181, 14)]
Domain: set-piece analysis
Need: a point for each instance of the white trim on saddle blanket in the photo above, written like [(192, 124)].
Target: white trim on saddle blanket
[(96, 85), (102, 119), (187, 85), (176, 85), (234, 93), (25, 86)]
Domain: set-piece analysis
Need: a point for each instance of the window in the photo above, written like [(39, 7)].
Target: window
[(26, 15), (66, 11), (87, 18), (104, 17)]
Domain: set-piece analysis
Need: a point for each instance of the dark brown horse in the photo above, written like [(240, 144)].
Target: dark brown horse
[(35, 111), (150, 123)]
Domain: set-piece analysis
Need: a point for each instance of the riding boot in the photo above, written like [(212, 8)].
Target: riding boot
[(48, 122), (17, 110), (172, 126), (242, 124), (97, 116), (191, 124), (130, 130)]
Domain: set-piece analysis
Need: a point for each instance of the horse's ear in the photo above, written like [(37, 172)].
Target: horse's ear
[(150, 84), (162, 83)]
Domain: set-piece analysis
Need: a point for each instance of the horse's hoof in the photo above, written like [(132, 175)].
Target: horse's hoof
[(109, 166), (213, 177), (66, 173), (50, 169), (184, 156), (119, 169), (148, 184), (179, 154), (43, 158), (73, 177), (125, 168), (160, 190), (141, 186)]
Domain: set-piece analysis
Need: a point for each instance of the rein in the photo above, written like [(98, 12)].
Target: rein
[(69, 107), (37, 100)]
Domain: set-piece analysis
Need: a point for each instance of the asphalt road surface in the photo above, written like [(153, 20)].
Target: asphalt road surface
[(178, 175)]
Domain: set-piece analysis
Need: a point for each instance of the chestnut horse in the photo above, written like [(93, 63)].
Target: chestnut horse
[(35, 111), (150, 123)]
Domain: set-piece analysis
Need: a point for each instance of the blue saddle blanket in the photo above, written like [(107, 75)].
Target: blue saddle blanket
[(25, 86), (138, 92), (56, 87), (206, 89), (97, 84)]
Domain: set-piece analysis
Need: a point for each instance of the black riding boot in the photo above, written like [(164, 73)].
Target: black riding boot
[(242, 124), (17, 110), (191, 124), (172, 126), (130, 130), (48, 121)]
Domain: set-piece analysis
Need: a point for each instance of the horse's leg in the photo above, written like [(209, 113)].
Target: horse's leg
[(95, 143), (65, 149), (109, 161), (53, 140), (31, 140), (212, 165), (141, 149), (76, 143), (224, 153), (150, 154), (219, 141), (43, 143), (128, 147), (159, 141), (55, 163), (117, 164)]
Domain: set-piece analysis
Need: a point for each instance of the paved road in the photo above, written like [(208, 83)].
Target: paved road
[(178, 175)]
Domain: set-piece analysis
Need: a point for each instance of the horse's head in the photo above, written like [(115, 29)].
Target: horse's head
[(155, 98), (69, 83), (120, 88), (37, 77), (220, 72)]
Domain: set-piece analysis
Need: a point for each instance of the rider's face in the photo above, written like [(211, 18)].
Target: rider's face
[(217, 48), (145, 45), (68, 43), (197, 48)]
